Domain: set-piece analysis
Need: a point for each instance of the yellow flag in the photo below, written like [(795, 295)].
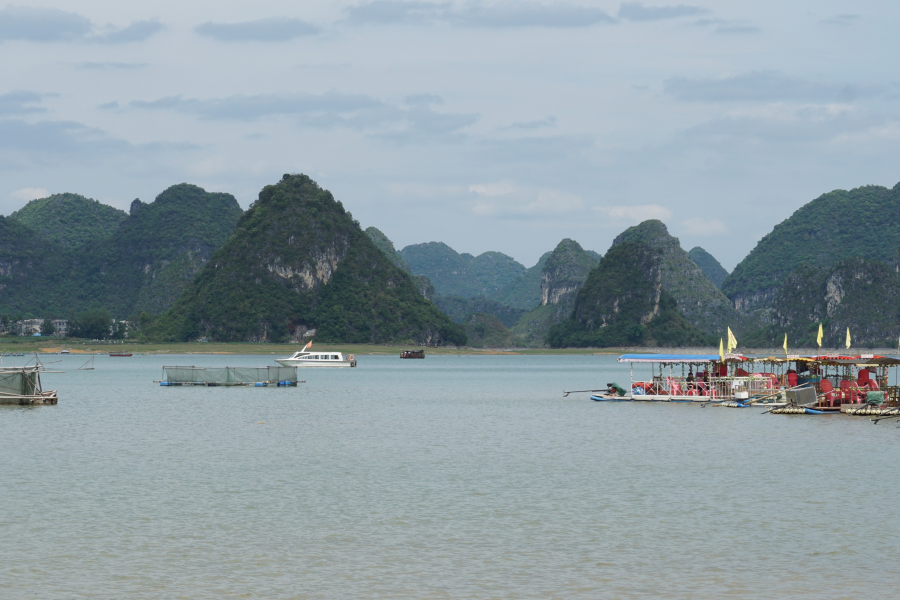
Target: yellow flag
[(820, 336), (785, 345), (732, 342), (721, 351), (848, 338)]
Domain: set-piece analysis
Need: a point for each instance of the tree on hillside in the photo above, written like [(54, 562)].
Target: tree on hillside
[(47, 327), (93, 324)]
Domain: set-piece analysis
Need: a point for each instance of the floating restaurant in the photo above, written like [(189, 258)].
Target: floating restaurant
[(852, 384)]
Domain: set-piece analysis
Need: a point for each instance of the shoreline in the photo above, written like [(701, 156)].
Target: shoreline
[(45, 346)]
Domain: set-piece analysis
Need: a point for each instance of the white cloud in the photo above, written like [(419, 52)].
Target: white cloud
[(505, 198), (29, 193), (637, 213), (494, 15), (273, 29), (889, 131), (54, 25), (703, 226), (765, 86), (636, 11)]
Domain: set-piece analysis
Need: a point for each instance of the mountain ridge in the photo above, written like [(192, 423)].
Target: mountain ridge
[(864, 222), (69, 220), (298, 261)]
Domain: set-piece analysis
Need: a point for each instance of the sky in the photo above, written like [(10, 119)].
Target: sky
[(490, 126)]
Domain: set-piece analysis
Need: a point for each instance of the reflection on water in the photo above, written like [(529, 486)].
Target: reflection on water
[(449, 477)]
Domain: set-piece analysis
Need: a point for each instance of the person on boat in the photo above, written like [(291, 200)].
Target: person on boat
[(690, 379)]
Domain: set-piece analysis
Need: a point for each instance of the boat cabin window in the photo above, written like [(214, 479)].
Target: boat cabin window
[(334, 357)]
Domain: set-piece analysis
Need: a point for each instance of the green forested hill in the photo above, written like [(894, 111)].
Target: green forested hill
[(487, 331), (701, 302), (462, 275), (709, 265), (25, 260), (159, 249), (623, 303), (459, 308), (69, 220), (564, 272), (525, 292), (141, 265), (298, 261), (383, 243), (862, 222)]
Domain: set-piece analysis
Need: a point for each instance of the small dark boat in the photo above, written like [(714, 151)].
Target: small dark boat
[(412, 354), (120, 353)]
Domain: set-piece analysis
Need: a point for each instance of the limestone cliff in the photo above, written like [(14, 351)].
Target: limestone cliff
[(565, 271), (861, 294)]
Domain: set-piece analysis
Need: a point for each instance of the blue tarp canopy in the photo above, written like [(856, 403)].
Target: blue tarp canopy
[(678, 358)]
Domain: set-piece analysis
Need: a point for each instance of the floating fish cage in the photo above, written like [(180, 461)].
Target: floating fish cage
[(22, 386), (230, 376)]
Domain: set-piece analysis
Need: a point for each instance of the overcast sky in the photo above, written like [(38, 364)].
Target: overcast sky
[(489, 126)]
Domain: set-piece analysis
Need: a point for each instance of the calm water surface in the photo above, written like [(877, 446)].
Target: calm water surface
[(452, 477)]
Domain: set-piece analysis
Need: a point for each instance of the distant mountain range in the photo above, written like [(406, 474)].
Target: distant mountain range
[(462, 275), (126, 263), (296, 261)]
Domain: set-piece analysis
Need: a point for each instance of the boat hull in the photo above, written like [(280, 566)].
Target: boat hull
[(596, 398), (295, 362)]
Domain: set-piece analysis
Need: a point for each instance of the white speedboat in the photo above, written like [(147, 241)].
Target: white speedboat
[(308, 358)]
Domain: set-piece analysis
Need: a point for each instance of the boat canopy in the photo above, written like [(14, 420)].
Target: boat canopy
[(693, 359), (870, 360)]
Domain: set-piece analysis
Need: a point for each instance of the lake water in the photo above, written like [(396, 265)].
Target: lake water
[(452, 477)]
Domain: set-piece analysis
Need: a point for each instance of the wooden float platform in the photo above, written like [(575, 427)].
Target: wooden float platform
[(45, 398), (21, 386)]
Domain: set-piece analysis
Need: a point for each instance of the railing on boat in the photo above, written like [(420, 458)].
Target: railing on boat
[(714, 387)]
